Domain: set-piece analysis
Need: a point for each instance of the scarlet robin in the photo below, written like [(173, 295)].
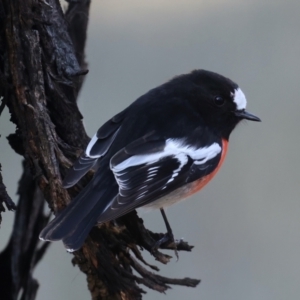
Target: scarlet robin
[(164, 147)]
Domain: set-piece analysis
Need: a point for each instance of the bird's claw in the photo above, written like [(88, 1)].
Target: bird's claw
[(167, 238)]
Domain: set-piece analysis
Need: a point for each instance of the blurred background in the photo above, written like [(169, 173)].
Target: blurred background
[(245, 224)]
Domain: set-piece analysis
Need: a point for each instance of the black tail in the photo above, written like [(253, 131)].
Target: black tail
[(74, 223)]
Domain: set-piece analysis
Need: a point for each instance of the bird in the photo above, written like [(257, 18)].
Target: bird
[(164, 147)]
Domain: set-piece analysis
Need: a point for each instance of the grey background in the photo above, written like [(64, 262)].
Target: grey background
[(245, 224)]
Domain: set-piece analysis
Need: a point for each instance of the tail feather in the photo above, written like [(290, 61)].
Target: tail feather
[(75, 221), (75, 240), (65, 222), (77, 237)]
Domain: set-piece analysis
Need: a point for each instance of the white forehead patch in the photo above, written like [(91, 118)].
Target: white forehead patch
[(239, 99)]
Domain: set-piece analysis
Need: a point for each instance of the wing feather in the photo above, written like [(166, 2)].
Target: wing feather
[(150, 168), (96, 149)]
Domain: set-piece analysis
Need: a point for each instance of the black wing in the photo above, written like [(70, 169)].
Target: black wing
[(150, 168), (96, 149)]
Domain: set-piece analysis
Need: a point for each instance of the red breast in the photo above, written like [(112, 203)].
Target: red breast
[(197, 185)]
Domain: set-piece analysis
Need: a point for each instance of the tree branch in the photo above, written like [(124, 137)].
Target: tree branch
[(42, 63), (21, 255), (4, 198)]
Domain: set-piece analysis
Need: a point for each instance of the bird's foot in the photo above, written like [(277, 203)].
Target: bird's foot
[(168, 238)]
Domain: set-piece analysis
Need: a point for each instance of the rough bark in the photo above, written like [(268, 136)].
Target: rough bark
[(18, 259), (5, 198), (41, 72)]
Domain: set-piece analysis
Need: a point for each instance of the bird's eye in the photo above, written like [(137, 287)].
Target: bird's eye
[(219, 100)]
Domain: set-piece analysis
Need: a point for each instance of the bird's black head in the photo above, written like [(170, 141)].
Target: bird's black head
[(219, 101)]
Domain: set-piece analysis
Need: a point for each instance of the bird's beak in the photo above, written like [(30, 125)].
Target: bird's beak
[(245, 115)]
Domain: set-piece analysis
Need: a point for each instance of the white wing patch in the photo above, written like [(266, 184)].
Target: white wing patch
[(239, 99), (106, 143), (182, 158), (176, 148), (151, 173), (90, 146)]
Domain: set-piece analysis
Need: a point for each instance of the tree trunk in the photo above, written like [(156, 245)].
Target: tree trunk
[(42, 68)]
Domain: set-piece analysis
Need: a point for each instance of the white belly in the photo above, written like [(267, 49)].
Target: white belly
[(174, 197)]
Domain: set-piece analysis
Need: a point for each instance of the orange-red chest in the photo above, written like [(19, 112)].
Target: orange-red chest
[(197, 185), (189, 189)]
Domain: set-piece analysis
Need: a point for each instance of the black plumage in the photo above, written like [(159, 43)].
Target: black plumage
[(155, 150)]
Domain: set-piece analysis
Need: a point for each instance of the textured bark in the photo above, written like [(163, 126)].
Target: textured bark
[(4, 198), (22, 253), (41, 72)]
